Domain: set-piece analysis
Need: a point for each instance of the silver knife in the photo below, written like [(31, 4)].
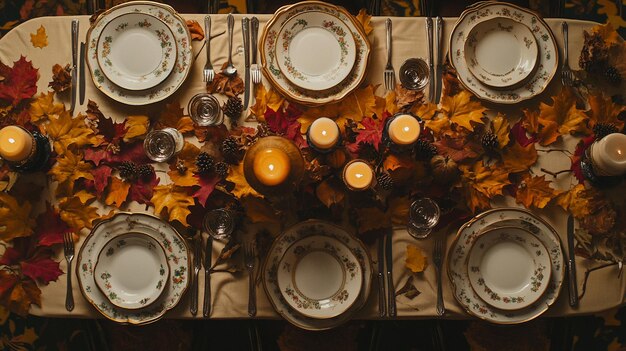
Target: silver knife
[(431, 63), (245, 26), (74, 62), (571, 263), (439, 59), (81, 77), (197, 265), (208, 258), (381, 280), (391, 290)]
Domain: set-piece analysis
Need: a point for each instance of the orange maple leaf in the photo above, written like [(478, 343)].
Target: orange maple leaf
[(462, 110), (187, 156), (564, 113), (172, 202), (603, 110), (482, 183), (242, 188), (15, 219), (118, 192), (265, 99), (65, 131), (69, 168), (415, 260), (40, 38), (173, 117), (364, 19), (517, 158), (535, 191), (44, 107), (576, 201)]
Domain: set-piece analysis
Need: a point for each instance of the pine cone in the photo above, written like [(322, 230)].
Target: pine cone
[(263, 130), (221, 169), (232, 109), (204, 162), (603, 129), (231, 150), (424, 149), (385, 181), (128, 170), (145, 172), (612, 75), (489, 141)]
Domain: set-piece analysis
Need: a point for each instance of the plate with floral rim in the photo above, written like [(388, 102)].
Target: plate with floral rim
[(182, 66), (176, 251), (132, 271), (315, 50), (458, 252), (508, 267), (298, 231), (267, 49), (319, 277), (136, 51), (537, 81)]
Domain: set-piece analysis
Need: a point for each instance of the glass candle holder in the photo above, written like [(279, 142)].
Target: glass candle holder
[(323, 135), (423, 217), (414, 74), (23, 150), (205, 110), (161, 145), (219, 223), (358, 175), (271, 166), (401, 131)]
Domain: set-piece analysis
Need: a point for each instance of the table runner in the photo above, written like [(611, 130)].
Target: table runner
[(604, 289)]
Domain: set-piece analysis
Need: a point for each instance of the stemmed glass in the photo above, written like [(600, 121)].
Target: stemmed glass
[(423, 217)]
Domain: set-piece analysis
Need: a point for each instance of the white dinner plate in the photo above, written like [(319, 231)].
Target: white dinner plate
[(136, 51), (501, 52), (315, 50), (319, 277), (132, 270), (509, 268)]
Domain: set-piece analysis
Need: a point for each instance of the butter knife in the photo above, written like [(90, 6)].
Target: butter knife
[(208, 258), (571, 263), (431, 63), (391, 290), (245, 26), (439, 60), (382, 308), (197, 265), (74, 62), (81, 77)]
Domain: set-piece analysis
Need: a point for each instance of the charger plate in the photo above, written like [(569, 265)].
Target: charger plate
[(279, 247), (509, 268), (537, 81), (132, 270), (319, 277), (182, 40), (122, 223), (459, 252), (136, 51)]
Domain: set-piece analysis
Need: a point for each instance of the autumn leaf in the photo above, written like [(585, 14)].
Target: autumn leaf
[(173, 117), (461, 110), (439, 126), (39, 39), (206, 185), (405, 99), (401, 167), (71, 167), (563, 112), (227, 85), (415, 259), (118, 192), (535, 191), (576, 201), (604, 110), (242, 188), (459, 148), (41, 268), (20, 81), (259, 210), (44, 107), (195, 29), (608, 34), (425, 111), (15, 219), (172, 202), (187, 156), (142, 190), (330, 192), (65, 131), (546, 132), (16, 294), (136, 126), (265, 99), (371, 133), (76, 213), (364, 19), (517, 158), (50, 228), (61, 78), (481, 183), (501, 129)]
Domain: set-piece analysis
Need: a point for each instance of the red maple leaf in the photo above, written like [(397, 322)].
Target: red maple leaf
[(101, 177), (20, 81), (50, 228), (207, 185), (42, 269), (141, 190), (285, 123), (518, 133), (458, 149), (128, 152), (581, 147), (372, 134), (10, 257)]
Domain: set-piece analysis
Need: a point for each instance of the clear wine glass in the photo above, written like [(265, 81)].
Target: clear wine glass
[(423, 217)]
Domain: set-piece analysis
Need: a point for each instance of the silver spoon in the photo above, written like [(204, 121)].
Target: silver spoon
[(230, 70)]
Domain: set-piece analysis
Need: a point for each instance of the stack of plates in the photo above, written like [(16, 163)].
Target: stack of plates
[(314, 53), (503, 53), (506, 266), (317, 275), (139, 52), (133, 268)]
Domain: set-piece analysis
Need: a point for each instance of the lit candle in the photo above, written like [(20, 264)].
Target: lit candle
[(323, 133), (404, 129), (271, 166), (609, 155), (16, 144), (358, 175)]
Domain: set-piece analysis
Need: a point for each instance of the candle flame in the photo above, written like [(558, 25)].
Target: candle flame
[(359, 175), (324, 133), (406, 129), (271, 166), (11, 140)]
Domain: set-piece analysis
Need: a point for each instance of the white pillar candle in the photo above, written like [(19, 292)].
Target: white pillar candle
[(404, 129), (358, 175), (324, 133), (608, 155)]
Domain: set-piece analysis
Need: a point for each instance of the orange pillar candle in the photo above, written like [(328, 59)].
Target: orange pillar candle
[(358, 175), (323, 133), (271, 166), (16, 144), (404, 129)]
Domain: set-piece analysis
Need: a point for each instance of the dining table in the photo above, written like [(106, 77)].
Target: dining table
[(605, 289)]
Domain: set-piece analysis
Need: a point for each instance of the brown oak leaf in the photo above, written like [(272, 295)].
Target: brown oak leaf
[(195, 29)]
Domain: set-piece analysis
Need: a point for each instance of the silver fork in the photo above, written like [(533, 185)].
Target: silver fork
[(567, 76), (68, 249), (208, 73), (389, 74), (255, 70), (250, 260), (438, 260)]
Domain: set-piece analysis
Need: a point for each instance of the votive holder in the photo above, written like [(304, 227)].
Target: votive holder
[(204, 109), (163, 144)]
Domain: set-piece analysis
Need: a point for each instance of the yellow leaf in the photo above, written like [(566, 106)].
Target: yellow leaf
[(365, 19), (172, 202), (118, 192), (259, 210), (136, 126), (173, 117), (65, 131), (501, 128), (77, 214), (84, 196), (439, 126), (564, 113), (188, 156), (535, 191), (69, 168), (265, 99), (461, 110), (415, 259), (576, 201), (44, 107), (15, 219), (40, 38), (518, 158), (330, 192), (242, 188), (390, 102), (606, 31), (603, 110), (425, 111), (485, 180)]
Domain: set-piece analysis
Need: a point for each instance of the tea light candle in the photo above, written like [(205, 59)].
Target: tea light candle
[(358, 175), (404, 129), (16, 144), (323, 133), (609, 155), (271, 166)]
